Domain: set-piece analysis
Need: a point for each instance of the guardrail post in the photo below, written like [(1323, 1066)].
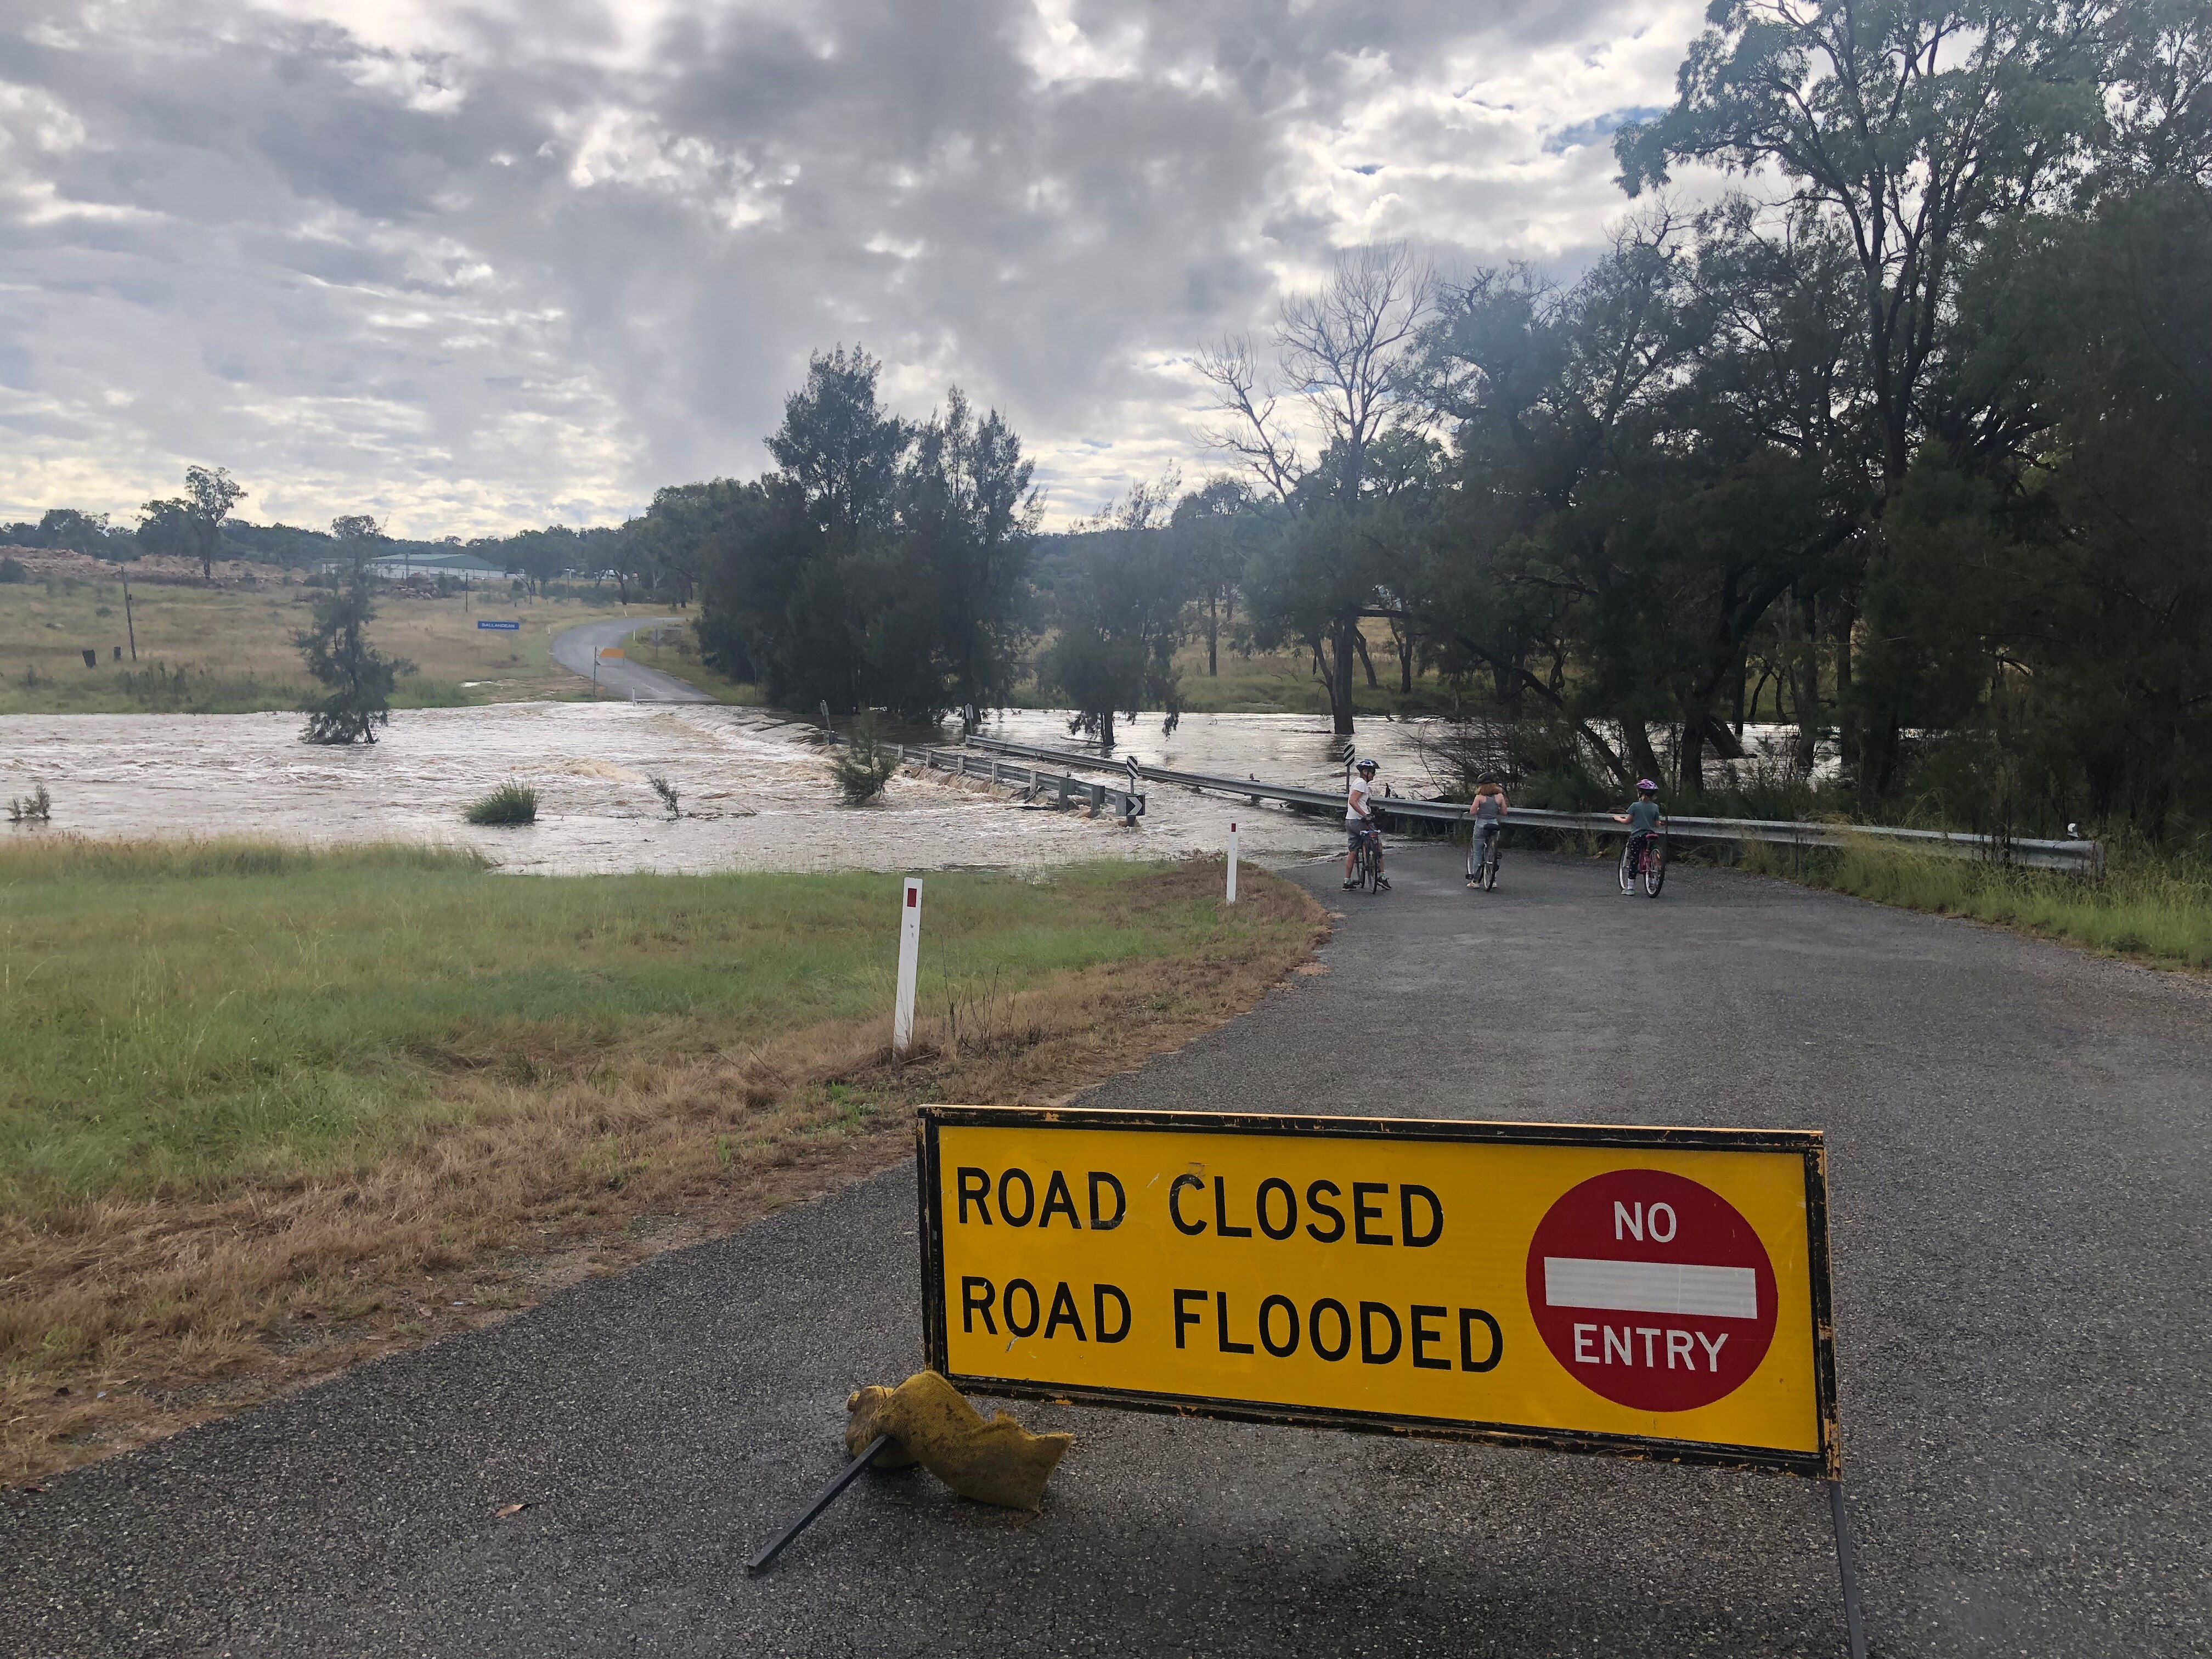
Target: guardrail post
[(1098, 792), (1232, 863)]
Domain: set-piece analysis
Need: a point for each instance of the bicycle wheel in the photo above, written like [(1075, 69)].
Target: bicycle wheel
[(1371, 868), (1628, 868), (1655, 868), (1490, 868)]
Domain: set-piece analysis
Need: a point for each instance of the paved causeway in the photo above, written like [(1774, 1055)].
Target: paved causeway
[(2018, 1176), (573, 649)]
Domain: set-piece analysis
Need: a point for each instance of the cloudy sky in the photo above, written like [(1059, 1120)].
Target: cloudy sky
[(476, 266)]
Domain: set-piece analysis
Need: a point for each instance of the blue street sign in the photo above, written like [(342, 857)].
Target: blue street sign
[(509, 626)]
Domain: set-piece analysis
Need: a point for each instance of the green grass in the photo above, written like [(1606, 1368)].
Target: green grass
[(511, 803), (2147, 905), (680, 659), (184, 1017)]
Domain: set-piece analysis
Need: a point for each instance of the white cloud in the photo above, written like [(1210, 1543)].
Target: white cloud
[(470, 268)]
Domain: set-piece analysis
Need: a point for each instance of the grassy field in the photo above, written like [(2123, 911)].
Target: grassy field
[(264, 1111), (2147, 906), (228, 649)]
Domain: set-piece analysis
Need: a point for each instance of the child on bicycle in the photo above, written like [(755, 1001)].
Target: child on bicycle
[(1360, 822), (1644, 819), (1488, 808)]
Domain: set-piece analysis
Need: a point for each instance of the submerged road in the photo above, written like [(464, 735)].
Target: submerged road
[(2019, 1182), (573, 647)]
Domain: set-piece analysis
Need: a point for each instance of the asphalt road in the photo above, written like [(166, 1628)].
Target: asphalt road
[(573, 648), (2018, 1179)]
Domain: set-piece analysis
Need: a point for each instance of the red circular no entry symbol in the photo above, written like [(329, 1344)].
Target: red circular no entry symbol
[(1651, 1290)]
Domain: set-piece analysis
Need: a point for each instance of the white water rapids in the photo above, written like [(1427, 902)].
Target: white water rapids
[(755, 792)]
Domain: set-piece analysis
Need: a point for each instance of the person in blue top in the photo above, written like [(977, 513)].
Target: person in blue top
[(1644, 820)]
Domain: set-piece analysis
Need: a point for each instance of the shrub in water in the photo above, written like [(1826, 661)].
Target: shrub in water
[(14, 570), (863, 764), (511, 803)]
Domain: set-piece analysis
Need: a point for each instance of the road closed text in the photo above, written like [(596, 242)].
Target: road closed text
[(1503, 1278)]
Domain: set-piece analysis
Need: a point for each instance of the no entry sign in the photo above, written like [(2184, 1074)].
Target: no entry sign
[(1652, 1290), (1660, 1292)]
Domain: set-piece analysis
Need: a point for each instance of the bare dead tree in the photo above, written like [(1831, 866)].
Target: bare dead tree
[(1343, 349), (1347, 351), (1344, 346), (1250, 430)]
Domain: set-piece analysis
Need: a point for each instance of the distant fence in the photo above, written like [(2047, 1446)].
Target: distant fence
[(2078, 857)]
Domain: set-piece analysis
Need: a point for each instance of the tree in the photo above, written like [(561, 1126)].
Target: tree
[(1120, 610), (1213, 525), (210, 494), (883, 565), (1904, 129), (337, 650), (167, 527), (812, 580), (969, 516), (1343, 350), (539, 556), (76, 532)]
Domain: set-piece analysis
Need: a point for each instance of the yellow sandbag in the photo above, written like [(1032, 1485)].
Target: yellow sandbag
[(997, 1461)]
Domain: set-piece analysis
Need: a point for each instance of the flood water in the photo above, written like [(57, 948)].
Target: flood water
[(755, 792), (754, 788)]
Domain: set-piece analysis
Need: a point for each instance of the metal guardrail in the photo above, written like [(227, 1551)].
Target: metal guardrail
[(2078, 857), (1126, 804)]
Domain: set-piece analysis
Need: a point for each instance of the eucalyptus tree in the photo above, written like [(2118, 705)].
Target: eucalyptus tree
[(1341, 352), (1119, 608), (1904, 130), (1213, 525)]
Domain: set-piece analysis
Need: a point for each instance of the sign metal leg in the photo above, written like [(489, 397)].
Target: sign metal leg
[(1847, 1564), (829, 1496)]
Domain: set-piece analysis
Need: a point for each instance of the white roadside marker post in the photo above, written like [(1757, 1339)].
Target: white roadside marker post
[(1232, 863), (910, 956)]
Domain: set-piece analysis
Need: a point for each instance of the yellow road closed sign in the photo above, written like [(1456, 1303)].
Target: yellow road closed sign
[(1653, 1292)]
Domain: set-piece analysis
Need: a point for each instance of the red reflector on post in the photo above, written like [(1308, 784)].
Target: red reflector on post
[(913, 897)]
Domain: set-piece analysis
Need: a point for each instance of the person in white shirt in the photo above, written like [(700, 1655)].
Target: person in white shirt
[(1360, 822)]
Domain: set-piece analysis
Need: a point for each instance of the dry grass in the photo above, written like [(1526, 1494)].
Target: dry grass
[(228, 648), (125, 1316)]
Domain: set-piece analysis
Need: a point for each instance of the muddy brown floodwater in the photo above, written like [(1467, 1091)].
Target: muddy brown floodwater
[(755, 792)]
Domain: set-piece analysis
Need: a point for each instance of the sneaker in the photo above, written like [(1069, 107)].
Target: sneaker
[(1349, 885), (1380, 885)]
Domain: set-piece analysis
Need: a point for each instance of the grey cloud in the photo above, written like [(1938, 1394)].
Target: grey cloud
[(519, 269)]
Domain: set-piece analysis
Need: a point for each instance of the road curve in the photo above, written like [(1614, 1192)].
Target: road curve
[(619, 677), (2020, 1181)]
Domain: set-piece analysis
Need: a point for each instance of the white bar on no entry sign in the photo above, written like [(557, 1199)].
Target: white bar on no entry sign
[(1663, 1287)]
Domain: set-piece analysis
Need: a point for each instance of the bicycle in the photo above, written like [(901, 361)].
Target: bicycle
[(1368, 868), (1482, 861), (1644, 857)]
